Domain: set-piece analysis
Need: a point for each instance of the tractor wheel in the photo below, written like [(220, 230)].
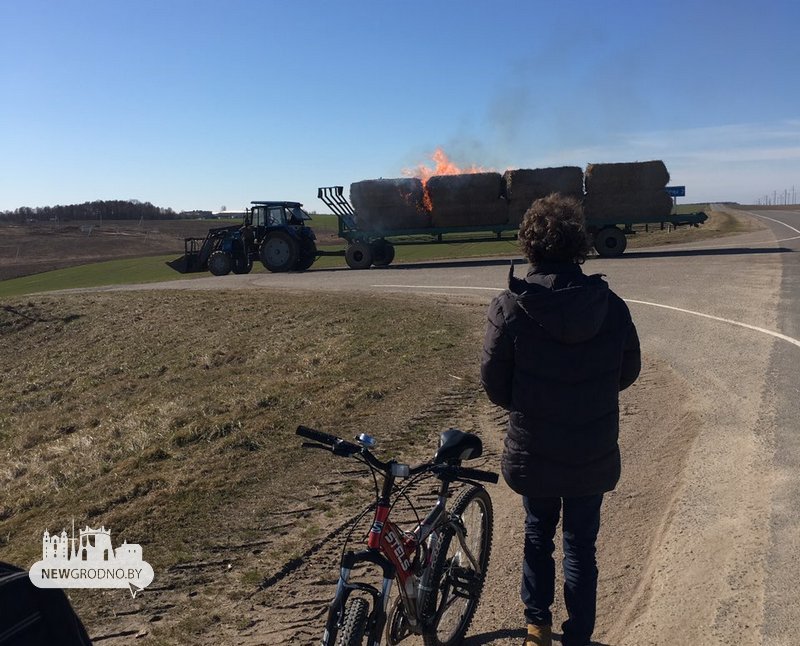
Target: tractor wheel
[(382, 253), (242, 265), (610, 242), (308, 254), (219, 263), (358, 255), (279, 252)]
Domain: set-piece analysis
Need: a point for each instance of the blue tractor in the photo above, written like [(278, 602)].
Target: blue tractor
[(273, 232)]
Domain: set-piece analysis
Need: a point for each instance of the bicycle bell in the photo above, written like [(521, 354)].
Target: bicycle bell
[(367, 441)]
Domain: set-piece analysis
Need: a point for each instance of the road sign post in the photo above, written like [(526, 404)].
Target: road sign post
[(675, 192)]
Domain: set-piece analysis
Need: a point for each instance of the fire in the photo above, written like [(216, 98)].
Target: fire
[(444, 166)]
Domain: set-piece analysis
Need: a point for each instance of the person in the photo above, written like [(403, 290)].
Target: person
[(559, 347)]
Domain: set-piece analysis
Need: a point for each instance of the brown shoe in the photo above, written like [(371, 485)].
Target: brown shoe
[(538, 636)]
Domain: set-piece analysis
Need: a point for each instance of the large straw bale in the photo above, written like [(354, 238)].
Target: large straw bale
[(524, 186), (467, 200), (640, 206), (626, 177), (389, 204)]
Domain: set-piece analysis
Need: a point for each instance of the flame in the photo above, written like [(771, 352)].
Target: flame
[(444, 166)]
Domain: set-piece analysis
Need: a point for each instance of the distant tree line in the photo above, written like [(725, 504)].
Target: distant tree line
[(97, 210)]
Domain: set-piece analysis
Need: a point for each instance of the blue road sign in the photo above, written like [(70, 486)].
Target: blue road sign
[(676, 191)]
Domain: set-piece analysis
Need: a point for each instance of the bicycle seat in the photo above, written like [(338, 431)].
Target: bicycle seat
[(455, 445)]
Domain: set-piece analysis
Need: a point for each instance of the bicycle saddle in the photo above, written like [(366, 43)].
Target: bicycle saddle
[(455, 445)]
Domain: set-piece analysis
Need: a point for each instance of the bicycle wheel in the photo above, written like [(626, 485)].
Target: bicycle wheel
[(456, 582), (354, 624)]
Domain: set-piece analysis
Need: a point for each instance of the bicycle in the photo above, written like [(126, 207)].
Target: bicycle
[(439, 566)]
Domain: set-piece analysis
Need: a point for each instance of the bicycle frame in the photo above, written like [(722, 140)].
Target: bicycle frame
[(395, 552)]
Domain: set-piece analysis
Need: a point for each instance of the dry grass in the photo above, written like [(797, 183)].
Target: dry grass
[(34, 248), (170, 417), (719, 224)]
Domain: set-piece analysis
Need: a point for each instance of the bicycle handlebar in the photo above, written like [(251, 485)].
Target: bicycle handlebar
[(339, 446), (317, 436)]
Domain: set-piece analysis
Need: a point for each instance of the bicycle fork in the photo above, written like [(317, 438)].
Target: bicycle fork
[(380, 598)]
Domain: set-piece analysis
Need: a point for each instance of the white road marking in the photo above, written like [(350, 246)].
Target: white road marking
[(778, 222), (777, 335), (490, 289)]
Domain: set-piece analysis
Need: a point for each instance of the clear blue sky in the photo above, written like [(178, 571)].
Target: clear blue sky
[(198, 104)]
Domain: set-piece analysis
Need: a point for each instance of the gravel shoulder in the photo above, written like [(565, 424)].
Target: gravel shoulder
[(657, 432)]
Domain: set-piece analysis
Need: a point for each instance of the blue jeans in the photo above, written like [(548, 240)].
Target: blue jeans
[(580, 527)]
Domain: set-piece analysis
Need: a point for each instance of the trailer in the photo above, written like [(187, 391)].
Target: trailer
[(366, 248)]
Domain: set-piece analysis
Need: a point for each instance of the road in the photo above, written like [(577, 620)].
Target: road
[(723, 319)]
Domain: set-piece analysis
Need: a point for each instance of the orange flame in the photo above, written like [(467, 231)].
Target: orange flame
[(443, 167)]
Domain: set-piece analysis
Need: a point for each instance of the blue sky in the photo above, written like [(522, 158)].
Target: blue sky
[(198, 104)]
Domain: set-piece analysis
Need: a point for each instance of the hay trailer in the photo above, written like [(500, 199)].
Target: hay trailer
[(371, 239), (273, 232), (376, 247)]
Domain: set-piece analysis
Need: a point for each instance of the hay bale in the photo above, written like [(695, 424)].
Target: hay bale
[(467, 200), (524, 186), (389, 204), (641, 206), (630, 177)]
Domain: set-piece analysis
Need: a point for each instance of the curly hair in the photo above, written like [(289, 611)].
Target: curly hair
[(554, 230)]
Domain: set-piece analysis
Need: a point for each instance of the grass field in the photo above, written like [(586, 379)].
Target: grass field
[(169, 417), (154, 268)]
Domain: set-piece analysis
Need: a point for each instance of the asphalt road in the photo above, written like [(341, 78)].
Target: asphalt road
[(725, 316)]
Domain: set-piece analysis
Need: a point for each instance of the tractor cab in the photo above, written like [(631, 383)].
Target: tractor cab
[(266, 215)]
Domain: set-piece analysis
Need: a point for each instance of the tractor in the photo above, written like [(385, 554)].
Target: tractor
[(273, 232)]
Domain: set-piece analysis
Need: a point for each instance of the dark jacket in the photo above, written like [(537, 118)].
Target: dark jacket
[(559, 347)]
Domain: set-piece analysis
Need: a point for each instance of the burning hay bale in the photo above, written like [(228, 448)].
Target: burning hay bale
[(387, 204), (523, 187), (466, 200), (633, 190)]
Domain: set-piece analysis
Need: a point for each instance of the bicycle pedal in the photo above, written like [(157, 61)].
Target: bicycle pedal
[(464, 582)]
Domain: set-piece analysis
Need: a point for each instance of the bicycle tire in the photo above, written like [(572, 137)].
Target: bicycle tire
[(448, 570), (354, 623)]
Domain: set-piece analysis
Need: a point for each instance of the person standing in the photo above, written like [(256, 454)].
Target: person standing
[(559, 347)]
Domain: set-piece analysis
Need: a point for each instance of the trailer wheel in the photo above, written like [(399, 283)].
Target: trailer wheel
[(610, 242), (219, 263), (308, 254), (382, 253), (242, 265), (279, 252), (358, 255)]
